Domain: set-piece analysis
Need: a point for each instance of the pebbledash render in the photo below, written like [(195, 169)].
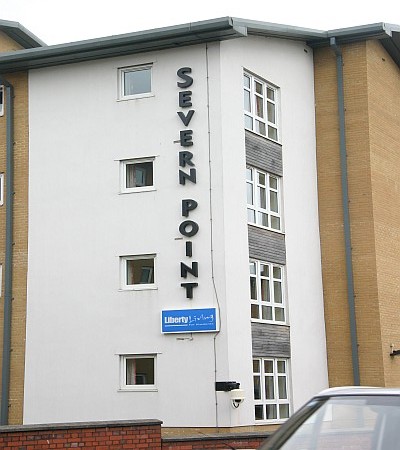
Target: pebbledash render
[(166, 240)]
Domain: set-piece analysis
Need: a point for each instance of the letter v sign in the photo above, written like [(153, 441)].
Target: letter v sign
[(186, 119)]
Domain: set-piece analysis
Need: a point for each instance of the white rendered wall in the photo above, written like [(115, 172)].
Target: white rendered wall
[(289, 66), (78, 320)]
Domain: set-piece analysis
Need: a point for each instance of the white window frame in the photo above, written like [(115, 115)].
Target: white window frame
[(121, 82), (272, 303), (266, 101), (2, 101), (1, 189), (255, 208), (123, 386), (123, 163), (276, 401), (123, 273)]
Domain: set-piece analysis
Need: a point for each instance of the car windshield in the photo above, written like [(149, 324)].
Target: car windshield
[(348, 422)]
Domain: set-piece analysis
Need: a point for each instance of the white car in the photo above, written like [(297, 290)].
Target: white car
[(351, 418)]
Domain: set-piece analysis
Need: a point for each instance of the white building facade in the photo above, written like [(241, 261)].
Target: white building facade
[(173, 236)]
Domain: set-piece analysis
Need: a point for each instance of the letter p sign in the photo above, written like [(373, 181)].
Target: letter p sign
[(187, 206)]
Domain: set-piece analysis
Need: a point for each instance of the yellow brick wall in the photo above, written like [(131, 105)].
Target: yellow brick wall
[(361, 217), (331, 220), (384, 119), (20, 83), (361, 214), (7, 44)]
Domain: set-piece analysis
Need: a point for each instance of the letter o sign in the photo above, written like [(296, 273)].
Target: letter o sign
[(188, 228)]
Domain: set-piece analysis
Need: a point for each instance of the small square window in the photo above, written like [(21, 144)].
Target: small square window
[(138, 372), (1, 100), (137, 272), (135, 82), (137, 175)]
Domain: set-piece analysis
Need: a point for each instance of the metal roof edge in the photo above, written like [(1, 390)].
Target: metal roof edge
[(270, 29), (174, 36), (140, 41), (368, 29), (353, 34), (20, 34), (391, 28), (176, 30), (388, 34)]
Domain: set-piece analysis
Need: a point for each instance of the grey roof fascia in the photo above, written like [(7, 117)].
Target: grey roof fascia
[(269, 29), (20, 34), (388, 34), (392, 46), (183, 35), (353, 34), (142, 41), (362, 30)]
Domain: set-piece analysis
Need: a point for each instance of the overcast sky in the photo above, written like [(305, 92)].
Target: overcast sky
[(61, 21)]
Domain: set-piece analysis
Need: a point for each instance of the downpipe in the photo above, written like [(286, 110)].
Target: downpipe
[(346, 213), (9, 204)]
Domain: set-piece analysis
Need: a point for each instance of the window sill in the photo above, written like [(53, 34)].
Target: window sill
[(135, 97), (137, 190), (138, 389), (143, 287), (269, 322)]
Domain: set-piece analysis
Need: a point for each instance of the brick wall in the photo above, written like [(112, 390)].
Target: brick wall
[(331, 220), (361, 217), (225, 441), (119, 435), (20, 236), (136, 434), (384, 136), (7, 44), (362, 220), (372, 96)]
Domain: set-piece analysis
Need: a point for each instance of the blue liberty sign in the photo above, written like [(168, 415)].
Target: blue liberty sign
[(189, 320)]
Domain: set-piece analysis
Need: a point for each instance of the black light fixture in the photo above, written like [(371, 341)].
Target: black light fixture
[(226, 386)]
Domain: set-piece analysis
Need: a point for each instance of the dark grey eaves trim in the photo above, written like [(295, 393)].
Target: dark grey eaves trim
[(269, 29), (388, 34), (360, 33), (150, 40), (20, 34), (143, 41), (392, 46), (182, 35)]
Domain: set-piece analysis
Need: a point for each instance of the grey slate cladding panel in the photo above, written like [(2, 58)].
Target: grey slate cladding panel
[(263, 154), (270, 340), (266, 245)]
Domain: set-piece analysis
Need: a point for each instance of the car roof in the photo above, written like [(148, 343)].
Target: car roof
[(358, 390)]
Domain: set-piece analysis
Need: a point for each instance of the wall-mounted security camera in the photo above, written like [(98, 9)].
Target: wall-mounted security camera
[(237, 397)]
